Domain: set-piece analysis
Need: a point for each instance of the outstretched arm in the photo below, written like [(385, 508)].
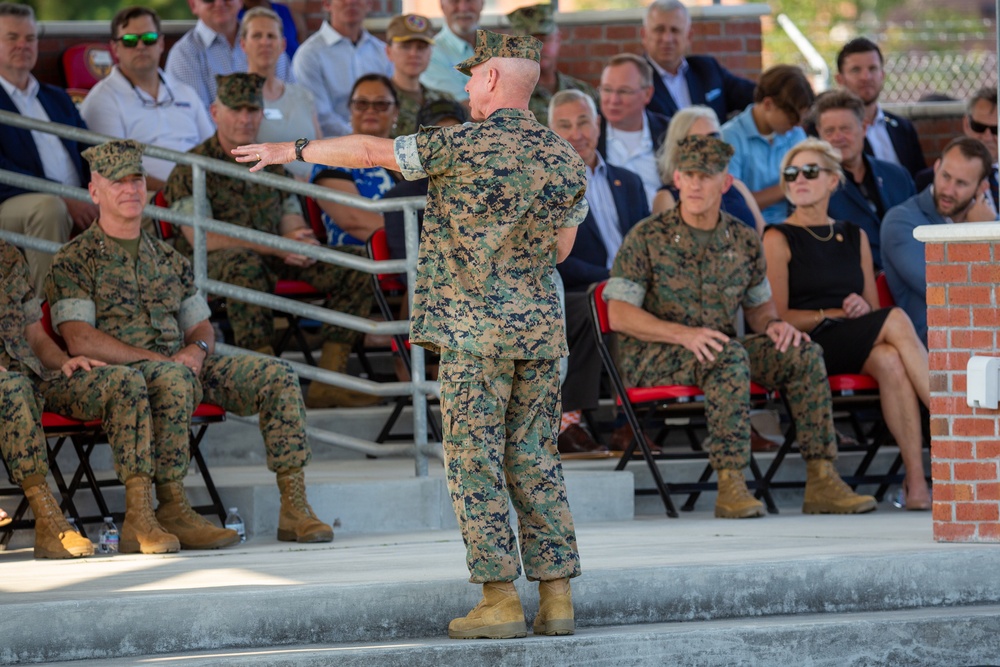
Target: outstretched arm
[(354, 151)]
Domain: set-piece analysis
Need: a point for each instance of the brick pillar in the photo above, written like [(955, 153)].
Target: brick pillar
[(963, 317)]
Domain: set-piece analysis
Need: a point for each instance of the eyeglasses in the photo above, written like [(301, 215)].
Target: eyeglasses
[(979, 128), (810, 171), (150, 103), (132, 40), (620, 92), (364, 105)]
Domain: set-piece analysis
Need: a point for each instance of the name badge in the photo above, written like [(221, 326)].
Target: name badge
[(183, 105), (273, 114)]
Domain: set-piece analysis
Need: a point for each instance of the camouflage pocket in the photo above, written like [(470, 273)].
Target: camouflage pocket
[(461, 387)]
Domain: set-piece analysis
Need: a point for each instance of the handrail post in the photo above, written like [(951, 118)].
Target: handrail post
[(417, 370), (200, 245)]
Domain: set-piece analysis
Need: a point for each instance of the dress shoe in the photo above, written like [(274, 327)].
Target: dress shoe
[(576, 443), (759, 443), (622, 437)]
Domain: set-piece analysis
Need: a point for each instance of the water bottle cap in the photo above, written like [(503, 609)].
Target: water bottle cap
[(106, 519), (233, 510)]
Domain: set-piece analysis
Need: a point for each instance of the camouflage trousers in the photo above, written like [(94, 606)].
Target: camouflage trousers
[(798, 372), (114, 394), (500, 419), (241, 384), (349, 291)]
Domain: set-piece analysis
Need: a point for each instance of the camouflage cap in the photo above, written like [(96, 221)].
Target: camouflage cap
[(434, 112), (409, 27), (116, 159), (701, 152), (533, 20), (241, 90), (496, 45)]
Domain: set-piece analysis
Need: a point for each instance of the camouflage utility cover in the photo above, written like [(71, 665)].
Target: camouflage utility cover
[(117, 159)]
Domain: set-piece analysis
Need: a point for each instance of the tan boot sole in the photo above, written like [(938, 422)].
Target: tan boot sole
[(554, 627), (500, 631), (64, 553), (309, 538), (748, 513), (823, 508), (129, 547)]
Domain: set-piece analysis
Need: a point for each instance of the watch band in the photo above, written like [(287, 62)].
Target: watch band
[(299, 145), (201, 345)]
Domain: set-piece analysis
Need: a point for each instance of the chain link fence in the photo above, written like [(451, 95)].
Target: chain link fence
[(923, 59)]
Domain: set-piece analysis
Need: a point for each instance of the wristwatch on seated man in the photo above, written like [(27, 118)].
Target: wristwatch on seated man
[(299, 145)]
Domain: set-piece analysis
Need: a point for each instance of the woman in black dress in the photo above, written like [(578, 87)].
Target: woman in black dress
[(823, 279)]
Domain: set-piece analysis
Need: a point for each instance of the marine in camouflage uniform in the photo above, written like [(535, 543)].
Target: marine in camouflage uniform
[(404, 30), (115, 395), (143, 295), (484, 296), (699, 278), (261, 208), (538, 20)]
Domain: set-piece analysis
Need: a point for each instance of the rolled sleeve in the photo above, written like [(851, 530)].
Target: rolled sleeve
[(757, 295), (291, 206), (408, 157), (577, 214), (74, 310), (31, 310), (194, 309), (622, 289)]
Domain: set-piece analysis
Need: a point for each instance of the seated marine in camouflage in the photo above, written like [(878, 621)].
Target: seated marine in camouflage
[(537, 21), (126, 298), (35, 371), (675, 287), (237, 113)]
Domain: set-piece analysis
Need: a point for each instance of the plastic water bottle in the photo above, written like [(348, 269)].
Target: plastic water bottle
[(107, 539), (234, 522)]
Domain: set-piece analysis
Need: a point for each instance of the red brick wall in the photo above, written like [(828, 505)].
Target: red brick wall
[(963, 318)]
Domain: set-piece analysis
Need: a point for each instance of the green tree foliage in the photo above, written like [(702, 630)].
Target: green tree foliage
[(82, 10)]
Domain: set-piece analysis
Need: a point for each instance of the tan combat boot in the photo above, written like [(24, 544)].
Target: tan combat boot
[(54, 538), (319, 395), (734, 500), (827, 493), (193, 531), (497, 616), (297, 521), (140, 531), (555, 608)]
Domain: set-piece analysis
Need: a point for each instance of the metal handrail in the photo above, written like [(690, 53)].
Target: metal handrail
[(418, 388)]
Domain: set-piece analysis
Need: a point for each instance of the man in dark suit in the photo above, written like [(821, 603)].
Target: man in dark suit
[(679, 80), (617, 201), (630, 135), (980, 123), (888, 137), (871, 186), (35, 153)]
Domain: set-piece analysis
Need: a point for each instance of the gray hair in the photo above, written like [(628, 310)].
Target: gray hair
[(17, 10), (680, 125), (987, 94), (570, 96), (665, 6), (260, 13)]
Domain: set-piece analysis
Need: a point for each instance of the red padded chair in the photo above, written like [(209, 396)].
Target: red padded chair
[(83, 66), (885, 299), (385, 285), (668, 401)]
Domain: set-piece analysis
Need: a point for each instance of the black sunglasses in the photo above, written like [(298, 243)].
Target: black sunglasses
[(810, 171), (364, 105), (131, 41), (979, 128)]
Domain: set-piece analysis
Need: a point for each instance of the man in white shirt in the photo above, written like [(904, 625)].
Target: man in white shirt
[(452, 45), (212, 48), (36, 154), (329, 62), (630, 134), (138, 100)]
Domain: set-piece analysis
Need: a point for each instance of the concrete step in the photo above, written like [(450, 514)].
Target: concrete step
[(397, 588), (916, 638)]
